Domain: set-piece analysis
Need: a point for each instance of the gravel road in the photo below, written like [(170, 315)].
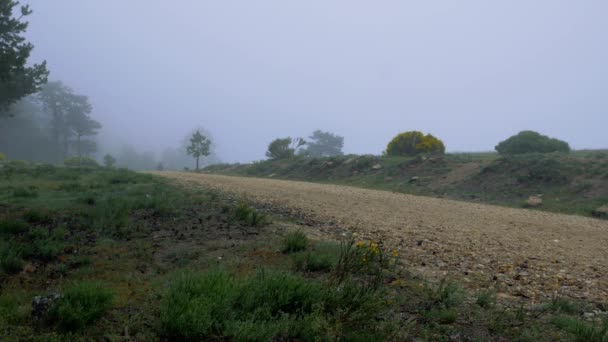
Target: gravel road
[(522, 253)]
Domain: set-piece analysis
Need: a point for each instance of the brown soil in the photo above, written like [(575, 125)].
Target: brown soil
[(520, 253)]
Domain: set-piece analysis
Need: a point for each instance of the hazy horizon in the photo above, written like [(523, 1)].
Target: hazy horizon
[(472, 73)]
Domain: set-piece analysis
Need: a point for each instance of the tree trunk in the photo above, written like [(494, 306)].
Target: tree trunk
[(197, 163)]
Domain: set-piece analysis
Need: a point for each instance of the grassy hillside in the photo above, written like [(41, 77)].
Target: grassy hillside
[(98, 254), (574, 183)]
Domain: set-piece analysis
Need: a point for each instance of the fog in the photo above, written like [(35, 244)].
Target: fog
[(470, 72)]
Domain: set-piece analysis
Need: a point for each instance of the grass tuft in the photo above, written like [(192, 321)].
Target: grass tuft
[(582, 331), (82, 304), (13, 226), (269, 305), (295, 241), (322, 258), (244, 213)]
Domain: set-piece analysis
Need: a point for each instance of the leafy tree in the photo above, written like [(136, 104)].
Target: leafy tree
[(80, 123), (177, 158), (2, 157), (529, 142), (70, 115), (413, 143), (25, 136), (16, 79), (324, 144), (109, 161), (199, 146), (283, 148)]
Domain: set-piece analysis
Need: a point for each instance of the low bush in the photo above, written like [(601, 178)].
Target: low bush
[(322, 258), (11, 258), (244, 213), (368, 258), (583, 331), (294, 242), (447, 295), (81, 305), (413, 143), (531, 142), (267, 306), (81, 162), (38, 216), (486, 299), (12, 226), (25, 193), (14, 309)]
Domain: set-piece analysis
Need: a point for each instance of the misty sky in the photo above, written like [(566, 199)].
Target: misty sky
[(470, 72)]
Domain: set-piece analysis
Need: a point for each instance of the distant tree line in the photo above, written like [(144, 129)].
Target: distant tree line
[(49, 126), (410, 143)]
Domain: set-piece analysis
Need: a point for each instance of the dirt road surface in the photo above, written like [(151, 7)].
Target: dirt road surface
[(521, 253)]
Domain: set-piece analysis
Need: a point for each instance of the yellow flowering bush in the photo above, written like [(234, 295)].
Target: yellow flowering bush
[(413, 143), (367, 258)]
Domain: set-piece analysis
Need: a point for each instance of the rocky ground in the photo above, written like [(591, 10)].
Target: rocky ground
[(523, 254)]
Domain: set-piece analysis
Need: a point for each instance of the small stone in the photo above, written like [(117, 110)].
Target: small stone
[(601, 212), (534, 201), (588, 315), (42, 304)]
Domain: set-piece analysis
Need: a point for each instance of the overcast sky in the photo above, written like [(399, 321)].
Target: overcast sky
[(470, 72)]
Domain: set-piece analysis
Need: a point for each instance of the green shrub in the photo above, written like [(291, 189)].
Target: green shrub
[(80, 162), (284, 148), (12, 226), (44, 170), (267, 306), (14, 309), (81, 305), (45, 245), (446, 316), (49, 249), (25, 193), (486, 299), (363, 258), (322, 258), (197, 305), (530, 142), (295, 241), (413, 143), (244, 213), (71, 187), (11, 260), (447, 295), (38, 216), (583, 331), (2, 157), (563, 305)]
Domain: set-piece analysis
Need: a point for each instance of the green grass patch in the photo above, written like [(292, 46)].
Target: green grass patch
[(11, 257), (269, 305), (322, 257), (12, 226), (295, 241), (82, 304), (583, 331), (247, 215)]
